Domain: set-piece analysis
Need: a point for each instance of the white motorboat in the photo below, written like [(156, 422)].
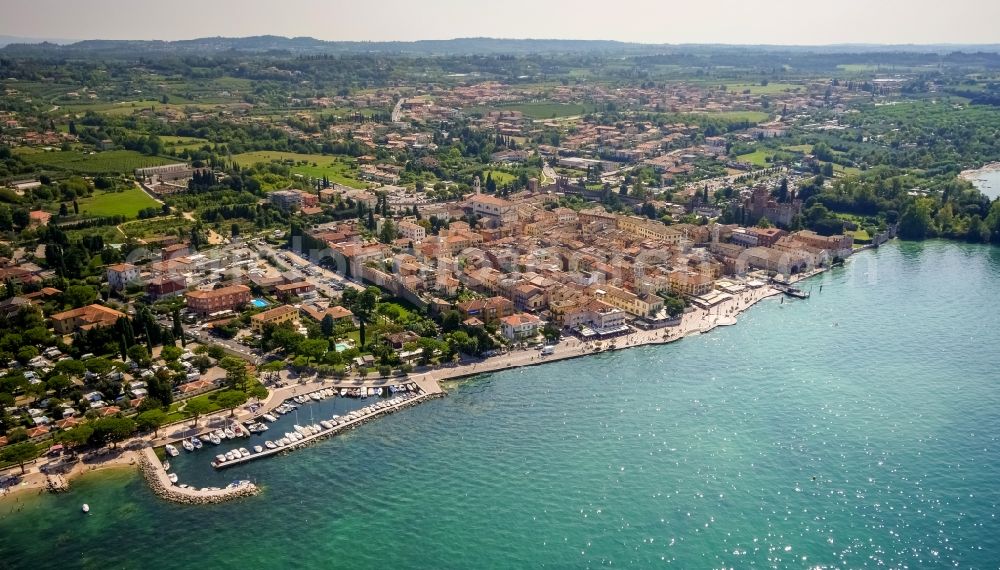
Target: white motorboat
[(166, 466), (281, 442), (187, 445), (269, 418), (85, 508), (197, 442), (231, 455), (219, 434), (230, 434), (214, 439), (220, 458), (244, 452), (257, 449), (326, 424), (298, 428), (171, 450), (270, 444), (172, 477), (315, 396)]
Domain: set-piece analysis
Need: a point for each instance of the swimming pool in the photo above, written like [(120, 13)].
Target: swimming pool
[(259, 303)]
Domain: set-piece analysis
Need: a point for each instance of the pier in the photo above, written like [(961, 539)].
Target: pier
[(159, 481), (406, 401)]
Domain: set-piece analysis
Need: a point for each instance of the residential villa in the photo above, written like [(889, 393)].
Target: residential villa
[(276, 316), (85, 318)]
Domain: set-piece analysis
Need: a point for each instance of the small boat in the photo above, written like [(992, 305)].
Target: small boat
[(196, 442), (315, 396), (326, 424), (214, 439), (298, 428), (231, 455), (219, 434), (270, 444), (220, 458), (85, 508), (166, 466), (172, 477), (230, 434), (171, 450), (244, 452), (257, 449), (281, 442), (269, 418), (187, 445)]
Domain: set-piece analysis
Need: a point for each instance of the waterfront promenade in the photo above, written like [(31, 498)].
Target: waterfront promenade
[(695, 321)]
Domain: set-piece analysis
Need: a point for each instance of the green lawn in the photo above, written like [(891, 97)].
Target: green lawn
[(126, 203), (107, 162), (757, 158), (499, 177), (337, 169), (860, 236), (839, 170), (177, 414)]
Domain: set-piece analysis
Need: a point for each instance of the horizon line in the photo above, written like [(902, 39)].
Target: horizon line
[(22, 40)]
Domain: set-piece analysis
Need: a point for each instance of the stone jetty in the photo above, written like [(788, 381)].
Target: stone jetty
[(156, 476)]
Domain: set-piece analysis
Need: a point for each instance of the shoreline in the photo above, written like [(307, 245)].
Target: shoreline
[(36, 483), (696, 321), (973, 173)]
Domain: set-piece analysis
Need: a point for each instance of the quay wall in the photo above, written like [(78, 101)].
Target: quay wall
[(152, 470)]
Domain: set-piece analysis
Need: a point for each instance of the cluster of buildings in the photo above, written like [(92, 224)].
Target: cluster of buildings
[(590, 271)]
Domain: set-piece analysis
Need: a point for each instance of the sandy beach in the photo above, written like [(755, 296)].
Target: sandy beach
[(976, 173), (695, 321)]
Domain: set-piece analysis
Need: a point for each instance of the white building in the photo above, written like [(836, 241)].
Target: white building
[(520, 326), (411, 231), (494, 208), (121, 274)]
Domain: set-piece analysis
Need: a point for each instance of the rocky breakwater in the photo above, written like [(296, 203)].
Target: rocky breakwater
[(156, 476)]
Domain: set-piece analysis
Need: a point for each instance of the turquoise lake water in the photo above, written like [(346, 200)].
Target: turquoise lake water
[(988, 182), (856, 429)]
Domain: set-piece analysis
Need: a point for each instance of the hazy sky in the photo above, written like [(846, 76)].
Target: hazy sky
[(648, 21)]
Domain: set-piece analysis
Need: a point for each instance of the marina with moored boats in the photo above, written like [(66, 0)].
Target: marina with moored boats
[(294, 422)]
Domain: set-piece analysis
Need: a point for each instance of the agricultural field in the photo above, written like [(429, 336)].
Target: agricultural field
[(733, 116), (757, 89), (339, 170), (107, 162), (157, 227), (803, 148), (178, 144), (540, 111), (125, 203)]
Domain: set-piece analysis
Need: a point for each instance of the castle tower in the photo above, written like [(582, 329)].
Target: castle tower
[(477, 186)]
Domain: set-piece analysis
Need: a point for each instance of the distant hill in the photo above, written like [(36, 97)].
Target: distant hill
[(7, 40), (459, 46)]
